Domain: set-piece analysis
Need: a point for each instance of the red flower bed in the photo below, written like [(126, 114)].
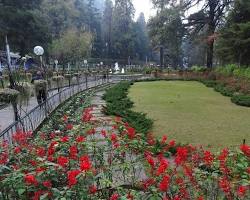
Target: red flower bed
[(86, 162)]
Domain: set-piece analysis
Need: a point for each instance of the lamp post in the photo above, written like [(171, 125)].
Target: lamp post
[(56, 63), (39, 51), (86, 63)]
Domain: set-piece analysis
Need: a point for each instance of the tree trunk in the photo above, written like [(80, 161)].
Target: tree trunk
[(210, 54), (211, 30), (161, 57)]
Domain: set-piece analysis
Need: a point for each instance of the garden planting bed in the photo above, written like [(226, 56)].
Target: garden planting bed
[(81, 153)]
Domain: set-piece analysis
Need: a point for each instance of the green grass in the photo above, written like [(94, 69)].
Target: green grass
[(189, 112)]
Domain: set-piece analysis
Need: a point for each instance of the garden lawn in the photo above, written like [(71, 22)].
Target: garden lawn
[(189, 112)]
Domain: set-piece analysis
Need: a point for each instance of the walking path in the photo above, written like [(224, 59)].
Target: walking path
[(135, 171)]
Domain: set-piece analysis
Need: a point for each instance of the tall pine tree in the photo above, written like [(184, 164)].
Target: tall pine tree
[(107, 25), (234, 39), (122, 36)]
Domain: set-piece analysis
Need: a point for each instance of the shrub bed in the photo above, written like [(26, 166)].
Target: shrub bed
[(242, 100), (119, 104)]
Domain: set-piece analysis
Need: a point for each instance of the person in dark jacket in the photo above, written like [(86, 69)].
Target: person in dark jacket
[(41, 94)]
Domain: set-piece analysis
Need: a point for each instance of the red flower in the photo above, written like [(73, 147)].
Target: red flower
[(114, 197), (163, 166), (51, 149), (245, 149), (114, 127), (150, 160), (131, 132), (33, 162), (200, 198), (118, 119), (47, 184), (91, 131), (147, 183), (80, 139), (62, 161), (17, 150), (40, 169), (3, 158), (164, 139), (223, 158), (65, 118), (73, 152), (208, 158), (50, 158), (130, 196), (65, 139), (224, 185), (172, 143), (72, 177), (177, 197), (30, 179), (242, 191), (86, 116), (21, 137), (69, 126), (181, 155), (113, 137), (164, 184), (40, 152), (248, 170), (150, 139), (52, 135), (85, 163), (37, 195), (104, 133), (92, 189)]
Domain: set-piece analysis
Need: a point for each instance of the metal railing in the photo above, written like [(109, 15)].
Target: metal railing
[(37, 115), (34, 118)]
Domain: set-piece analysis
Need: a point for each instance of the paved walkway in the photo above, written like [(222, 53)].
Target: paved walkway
[(135, 171)]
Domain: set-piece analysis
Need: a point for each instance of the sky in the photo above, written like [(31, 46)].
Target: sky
[(144, 6)]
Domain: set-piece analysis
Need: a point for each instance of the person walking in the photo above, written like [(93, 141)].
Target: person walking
[(41, 94)]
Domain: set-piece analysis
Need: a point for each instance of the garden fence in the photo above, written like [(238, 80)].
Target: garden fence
[(34, 118)]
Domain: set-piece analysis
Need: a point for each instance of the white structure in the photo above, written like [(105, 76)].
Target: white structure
[(38, 50), (56, 63), (123, 71), (117, 69)]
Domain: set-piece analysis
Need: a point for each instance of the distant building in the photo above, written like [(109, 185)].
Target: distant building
[(15, 57)]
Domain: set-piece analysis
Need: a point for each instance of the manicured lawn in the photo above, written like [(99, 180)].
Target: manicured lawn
[(189, 112)]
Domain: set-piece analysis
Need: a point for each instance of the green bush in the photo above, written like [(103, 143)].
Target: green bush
[(198, 69), (209, 83), (242, 100), (119, 104), (224, 90), (226, 70)]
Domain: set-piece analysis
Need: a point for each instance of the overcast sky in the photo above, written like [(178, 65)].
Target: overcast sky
[(144, 6)]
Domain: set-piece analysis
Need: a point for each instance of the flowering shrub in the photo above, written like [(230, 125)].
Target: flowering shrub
[(83, 158)]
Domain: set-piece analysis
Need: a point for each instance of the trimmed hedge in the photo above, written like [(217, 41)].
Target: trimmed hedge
[(242, 100), (224, 90), (209, 83), (119, 104)]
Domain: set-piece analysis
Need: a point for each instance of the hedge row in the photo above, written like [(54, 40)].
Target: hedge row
[(239, 99), (119, 104)]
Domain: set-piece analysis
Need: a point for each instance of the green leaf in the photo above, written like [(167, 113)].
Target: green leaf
[(44, 196), (20, 191)]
